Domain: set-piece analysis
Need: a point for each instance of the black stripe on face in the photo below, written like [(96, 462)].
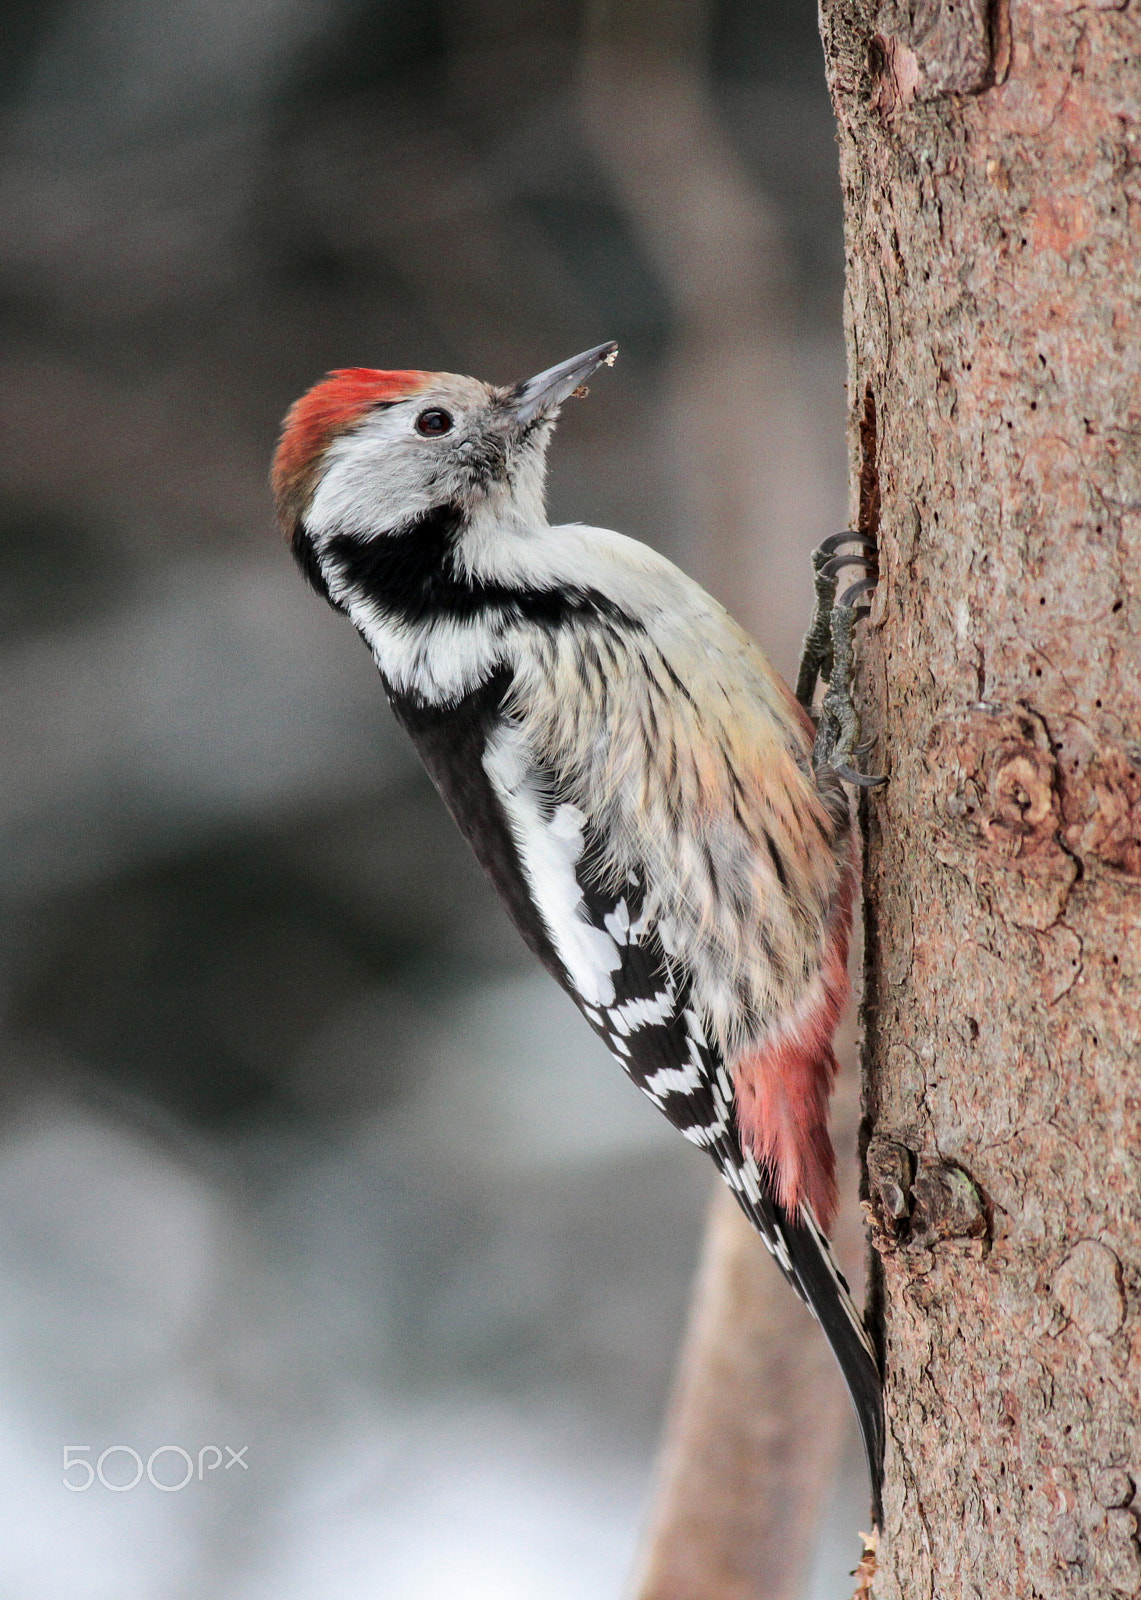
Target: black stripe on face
[(305, 556), (411, 575)]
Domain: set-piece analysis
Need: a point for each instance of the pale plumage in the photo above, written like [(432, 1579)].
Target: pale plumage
[(636, 780)]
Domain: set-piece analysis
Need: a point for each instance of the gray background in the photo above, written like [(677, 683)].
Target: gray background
[(300, 1152)]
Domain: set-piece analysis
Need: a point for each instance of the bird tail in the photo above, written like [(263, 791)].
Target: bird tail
[(802, 1251), (818, 1275)]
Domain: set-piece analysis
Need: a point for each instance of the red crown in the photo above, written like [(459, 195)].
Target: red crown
[(313, 422)]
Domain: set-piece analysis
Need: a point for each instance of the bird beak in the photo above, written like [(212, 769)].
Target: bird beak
[(547, 390)]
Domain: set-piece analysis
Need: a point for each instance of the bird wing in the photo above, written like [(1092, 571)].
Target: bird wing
[(636, 996)]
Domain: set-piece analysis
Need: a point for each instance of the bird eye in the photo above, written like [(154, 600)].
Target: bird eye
[(433, 421)]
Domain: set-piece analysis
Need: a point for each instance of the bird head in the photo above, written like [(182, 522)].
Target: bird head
[(366, 453)]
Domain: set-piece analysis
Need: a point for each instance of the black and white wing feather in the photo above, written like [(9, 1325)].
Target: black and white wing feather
[(653, 1028)]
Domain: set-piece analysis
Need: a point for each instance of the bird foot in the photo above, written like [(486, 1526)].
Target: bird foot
[(828, 653)]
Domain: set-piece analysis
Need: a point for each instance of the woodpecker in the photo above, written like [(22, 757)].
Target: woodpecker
[(646, 795)]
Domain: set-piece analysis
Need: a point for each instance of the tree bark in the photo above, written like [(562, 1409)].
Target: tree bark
[(991, 160)]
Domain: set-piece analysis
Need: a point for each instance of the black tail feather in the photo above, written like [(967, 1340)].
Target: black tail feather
[(803, 1253), (827, 1295)]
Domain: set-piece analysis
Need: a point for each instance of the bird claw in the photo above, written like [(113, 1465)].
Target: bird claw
[(862, 780), (853, 591), (837, 541), (828, 653), (835, 566)]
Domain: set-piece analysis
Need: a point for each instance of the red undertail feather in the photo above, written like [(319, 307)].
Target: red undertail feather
[(782, 1090), (313, 422)]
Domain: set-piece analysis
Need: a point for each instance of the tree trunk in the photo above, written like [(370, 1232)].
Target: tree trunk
[(990, 159)]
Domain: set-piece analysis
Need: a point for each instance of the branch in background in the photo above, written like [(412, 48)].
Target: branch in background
[(752, 1436), (759, 1415)]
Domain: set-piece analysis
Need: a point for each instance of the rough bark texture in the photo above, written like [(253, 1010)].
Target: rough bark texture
[(993, 207)]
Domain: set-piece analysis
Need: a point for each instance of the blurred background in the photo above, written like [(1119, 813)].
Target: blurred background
[(301, 1157)]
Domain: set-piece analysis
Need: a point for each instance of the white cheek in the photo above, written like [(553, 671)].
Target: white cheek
[(371, 483)]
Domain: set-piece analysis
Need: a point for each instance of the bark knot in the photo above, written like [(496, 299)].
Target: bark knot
[(925, 49), (919, 1201), (1022, 798), (997, 812)]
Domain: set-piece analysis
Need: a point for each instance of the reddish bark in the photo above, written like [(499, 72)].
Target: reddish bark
[(992, 174)]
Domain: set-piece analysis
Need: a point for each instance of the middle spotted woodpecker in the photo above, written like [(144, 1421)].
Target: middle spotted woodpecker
[(639, 785)]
